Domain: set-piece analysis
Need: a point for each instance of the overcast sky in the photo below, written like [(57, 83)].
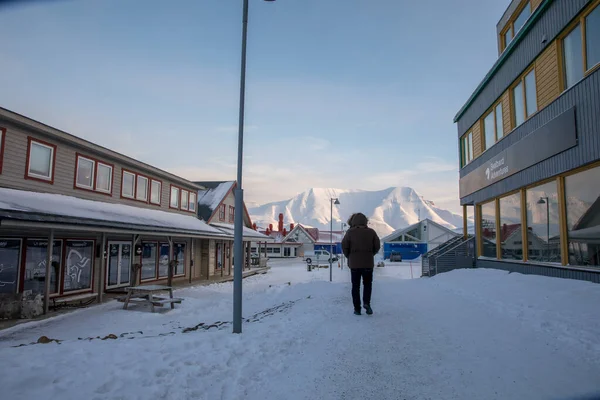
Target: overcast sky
[(356, 94)]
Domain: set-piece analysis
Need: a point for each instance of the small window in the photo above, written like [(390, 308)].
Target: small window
[(85, 172), (41, 161), (522, 18), (104, 178), (128, 185), (184, 199), (193, 202), (489, 127), (499, 122), (155, 193), (222, 212), (141, 192), (530, 94), (174, 201), (592, 38), (231, 214), (2, 133), (519, 104), (467, 148), (508, 37)]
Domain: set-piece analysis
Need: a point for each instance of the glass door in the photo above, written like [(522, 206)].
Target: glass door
[(118, 264)]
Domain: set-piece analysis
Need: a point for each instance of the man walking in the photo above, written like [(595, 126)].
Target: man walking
[(360, 244)]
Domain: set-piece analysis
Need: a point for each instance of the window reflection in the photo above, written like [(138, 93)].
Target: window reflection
[(511, 236), (543, 229), (488, 229)]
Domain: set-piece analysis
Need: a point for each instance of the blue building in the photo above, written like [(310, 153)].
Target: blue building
[(416, 239)]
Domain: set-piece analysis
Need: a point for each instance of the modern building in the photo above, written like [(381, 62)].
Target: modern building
[(417, 239), (529, 140), (78, 220)]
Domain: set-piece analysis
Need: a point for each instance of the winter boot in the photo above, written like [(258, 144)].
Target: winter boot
[(357, 311), (368, 308)]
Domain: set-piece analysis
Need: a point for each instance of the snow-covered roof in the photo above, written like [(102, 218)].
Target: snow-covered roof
[(248, 233), (212, 197), (82, 211), (400, 231), (326, 237)]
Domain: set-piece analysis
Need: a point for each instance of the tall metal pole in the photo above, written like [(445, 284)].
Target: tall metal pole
[(331, 241), (548, 227), (239, 193)]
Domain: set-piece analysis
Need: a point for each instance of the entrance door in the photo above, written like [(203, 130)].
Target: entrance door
[(118, 264)]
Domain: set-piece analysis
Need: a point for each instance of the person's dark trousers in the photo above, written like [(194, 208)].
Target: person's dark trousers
[(367, 277)]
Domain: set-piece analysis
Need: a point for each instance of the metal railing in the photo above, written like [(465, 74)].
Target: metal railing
[(454, 254)]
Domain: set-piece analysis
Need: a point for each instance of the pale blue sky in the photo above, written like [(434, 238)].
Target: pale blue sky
[(340, 93)]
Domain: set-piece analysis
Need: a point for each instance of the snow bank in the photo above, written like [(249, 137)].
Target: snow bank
[(467, 334)]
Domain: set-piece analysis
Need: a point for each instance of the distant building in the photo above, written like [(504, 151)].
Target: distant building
[(417, 239)]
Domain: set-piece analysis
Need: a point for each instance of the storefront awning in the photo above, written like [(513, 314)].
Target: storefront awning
[(36, 209)]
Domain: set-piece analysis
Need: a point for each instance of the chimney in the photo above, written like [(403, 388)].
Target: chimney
[(291, 227), (284, 232), (280, 224), (271, 227), (254, 226)]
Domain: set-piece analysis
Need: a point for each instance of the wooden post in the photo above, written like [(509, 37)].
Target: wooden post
[(49, 251), (170, 273), (192, 253), (524, 225), (564, 231), (465, 227), (102, 268)]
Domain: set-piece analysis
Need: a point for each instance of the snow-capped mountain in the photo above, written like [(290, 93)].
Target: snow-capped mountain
[(388, 210)]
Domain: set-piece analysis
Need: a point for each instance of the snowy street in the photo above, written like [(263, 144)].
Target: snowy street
[(467, 334)]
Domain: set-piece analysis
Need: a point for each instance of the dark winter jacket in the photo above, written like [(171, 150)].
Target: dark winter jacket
[(361, 243)]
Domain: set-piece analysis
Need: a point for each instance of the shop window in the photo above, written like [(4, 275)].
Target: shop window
[(35, 266), (511, 237), (583, 217), (543, 228), (488, 229), (10, 259), (163, 262), (149, 260), (179, 255), (277, 250), (79, 262)]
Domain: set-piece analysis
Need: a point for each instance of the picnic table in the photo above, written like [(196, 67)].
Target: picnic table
[(147, 294)]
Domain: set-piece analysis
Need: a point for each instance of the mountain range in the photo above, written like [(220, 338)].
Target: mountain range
[(388, 210)]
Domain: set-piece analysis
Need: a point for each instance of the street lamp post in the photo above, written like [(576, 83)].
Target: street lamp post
[(238, 242), (331, 203), (342, 255), (545, 200)]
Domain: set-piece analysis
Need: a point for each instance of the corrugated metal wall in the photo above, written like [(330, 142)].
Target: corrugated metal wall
[(558, 14), (585, 96), (530, 269)]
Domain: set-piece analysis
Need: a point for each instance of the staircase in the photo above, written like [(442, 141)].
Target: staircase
[(458, 252)]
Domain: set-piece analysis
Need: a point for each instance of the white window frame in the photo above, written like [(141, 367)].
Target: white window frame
[(185, 195), (192, 203), (137, 184), (93, 175), (132, 196), (159, 183), (51, 166), (110, 177), (174, 197)]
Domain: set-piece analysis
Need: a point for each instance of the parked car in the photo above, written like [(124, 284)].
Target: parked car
[(395, 256), (319, 256)]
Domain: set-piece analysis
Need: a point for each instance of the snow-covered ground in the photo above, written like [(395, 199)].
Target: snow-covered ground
[(467, 334)]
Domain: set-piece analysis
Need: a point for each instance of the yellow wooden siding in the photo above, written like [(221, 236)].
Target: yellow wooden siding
[(546, 73), (535, 4), (477, 140), (506, 113)]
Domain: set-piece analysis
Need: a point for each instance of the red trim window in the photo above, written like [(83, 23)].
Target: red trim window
[(141, 188), (155, 192), (2, 142), (185, 198), (92, 174), (174, 200), (41, 160), (231, 213), (136, 186), (222, 212), (193, 201)]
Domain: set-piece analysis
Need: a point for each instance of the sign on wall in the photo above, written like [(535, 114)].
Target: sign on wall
[(556, 136)]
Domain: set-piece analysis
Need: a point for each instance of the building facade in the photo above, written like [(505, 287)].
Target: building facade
[(78, 220), (529, 140), (417, 239)]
